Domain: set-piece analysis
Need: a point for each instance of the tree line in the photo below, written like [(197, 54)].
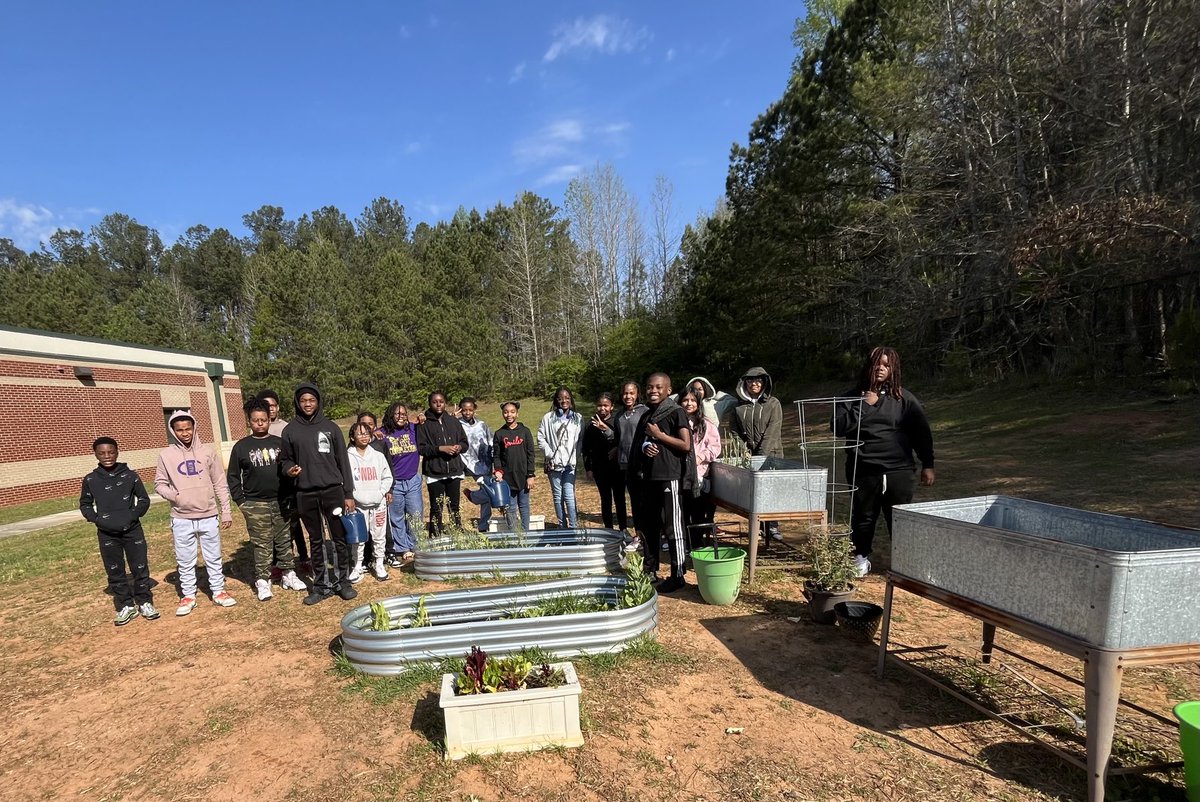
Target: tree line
[(994, 187), (511, 302)]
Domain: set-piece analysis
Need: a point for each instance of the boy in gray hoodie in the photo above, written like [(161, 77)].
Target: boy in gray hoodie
[(758, 422), (190, 477)]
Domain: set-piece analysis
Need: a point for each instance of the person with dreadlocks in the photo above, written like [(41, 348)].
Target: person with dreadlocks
[(889, 424)]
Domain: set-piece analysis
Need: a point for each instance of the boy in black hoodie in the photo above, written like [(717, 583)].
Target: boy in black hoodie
[(114, 499), (441, 440), (314, 456)]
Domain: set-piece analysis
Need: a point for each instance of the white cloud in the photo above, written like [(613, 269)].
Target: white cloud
[(670, 54), (517, 73), (559, 150), (566, 130), (560, 174), (552, 142), (412, 148), (602, 34), (28, 224)]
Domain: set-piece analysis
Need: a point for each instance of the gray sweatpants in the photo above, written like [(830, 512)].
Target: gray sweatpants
[(187, 533)]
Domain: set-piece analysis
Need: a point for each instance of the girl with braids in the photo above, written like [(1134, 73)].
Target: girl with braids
[(890, 425)]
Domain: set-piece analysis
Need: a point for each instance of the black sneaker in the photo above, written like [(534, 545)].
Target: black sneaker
[(672, 584), (316, 597), (346, 592), (394, 561)]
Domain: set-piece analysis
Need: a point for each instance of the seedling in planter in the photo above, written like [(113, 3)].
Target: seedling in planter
[(483, 674)]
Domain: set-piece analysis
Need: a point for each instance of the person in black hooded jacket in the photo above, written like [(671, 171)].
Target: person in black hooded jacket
[(441, 440), (314, 456), (114, 498)]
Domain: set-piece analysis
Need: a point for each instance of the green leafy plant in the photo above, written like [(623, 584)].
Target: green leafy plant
[(830, 565), (638, 588), (421, 617), (513, 671), (546, 677), (381, 620), (484, 674)]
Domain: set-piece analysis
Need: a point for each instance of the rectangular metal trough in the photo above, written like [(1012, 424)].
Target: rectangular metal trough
[(579, 552), (771, 485), (460, 619), (1111, 581)]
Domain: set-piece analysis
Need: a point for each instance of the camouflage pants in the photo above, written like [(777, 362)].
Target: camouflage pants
[(270, 537)]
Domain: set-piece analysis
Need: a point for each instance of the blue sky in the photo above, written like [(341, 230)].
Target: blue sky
[(179, 114)]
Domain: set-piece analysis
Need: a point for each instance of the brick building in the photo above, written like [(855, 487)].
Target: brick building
[(59, 392)]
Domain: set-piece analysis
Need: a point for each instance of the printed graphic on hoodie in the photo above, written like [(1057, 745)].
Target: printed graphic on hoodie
[(324, 445), (189, 467)]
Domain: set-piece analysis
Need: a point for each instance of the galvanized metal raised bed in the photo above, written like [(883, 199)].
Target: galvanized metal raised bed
[(579, 552), (771, 485), (1111, 581), (460, 619)]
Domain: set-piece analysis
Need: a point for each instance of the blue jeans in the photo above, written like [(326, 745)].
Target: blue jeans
[(520, 501), (405, 513), (562, 488)]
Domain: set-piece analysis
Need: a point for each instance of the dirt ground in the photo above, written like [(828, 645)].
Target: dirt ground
[(243, 703)]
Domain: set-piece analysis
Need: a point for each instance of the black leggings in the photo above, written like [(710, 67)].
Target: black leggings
[(610, 482), (117, 550), (698, 512), (876, 491), (438, 492)]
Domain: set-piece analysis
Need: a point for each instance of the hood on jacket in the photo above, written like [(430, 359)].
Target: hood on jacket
[(710, 392), (183, 414), (755, 372), (308, 387)]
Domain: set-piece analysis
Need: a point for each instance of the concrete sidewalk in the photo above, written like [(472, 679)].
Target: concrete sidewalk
[(48, 521)]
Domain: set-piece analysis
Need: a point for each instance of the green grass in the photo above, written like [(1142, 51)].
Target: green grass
[(36, 509), (418, 677), (57, 549)]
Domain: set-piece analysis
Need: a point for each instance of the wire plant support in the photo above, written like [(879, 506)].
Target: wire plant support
[(821, 446)]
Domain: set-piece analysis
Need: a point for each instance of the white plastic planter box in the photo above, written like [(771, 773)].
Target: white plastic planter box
[(496, 523), (511, 721)]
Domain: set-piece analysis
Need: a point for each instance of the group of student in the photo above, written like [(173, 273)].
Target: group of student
[(300, 477)]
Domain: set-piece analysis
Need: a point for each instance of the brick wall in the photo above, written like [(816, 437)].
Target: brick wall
[(101, 374), (46, 422), (48, 419), (234, 413), (58, 488)]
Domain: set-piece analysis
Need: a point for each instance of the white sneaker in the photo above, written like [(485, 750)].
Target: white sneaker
[(356, 575), (380, 571), (186, 605), (263, 587), (292, 582), (862, 566)]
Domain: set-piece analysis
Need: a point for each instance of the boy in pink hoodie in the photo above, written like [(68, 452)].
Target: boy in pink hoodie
[(190, 477)]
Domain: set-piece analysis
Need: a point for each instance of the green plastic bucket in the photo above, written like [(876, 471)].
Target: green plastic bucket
[(719, 576), (1188, 714)]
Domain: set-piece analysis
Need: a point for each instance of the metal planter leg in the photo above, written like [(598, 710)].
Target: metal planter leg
[(1102, 689)]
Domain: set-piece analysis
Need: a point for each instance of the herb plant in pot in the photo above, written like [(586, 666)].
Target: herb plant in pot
[(831, 574)]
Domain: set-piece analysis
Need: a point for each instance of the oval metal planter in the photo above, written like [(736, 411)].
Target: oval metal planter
[(460, 619), (579, 552)]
